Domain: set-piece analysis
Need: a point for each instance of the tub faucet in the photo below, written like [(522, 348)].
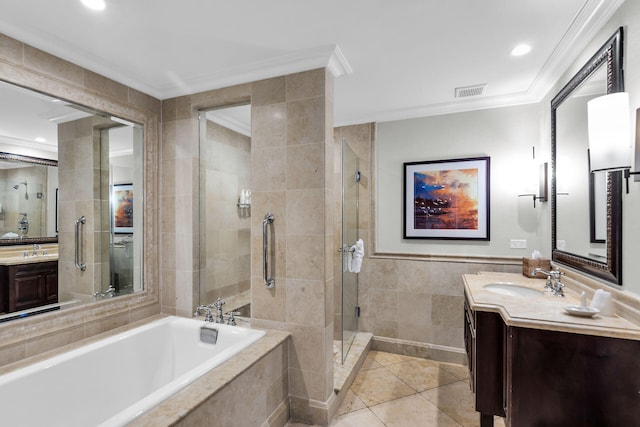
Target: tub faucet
[(208, 316), (553, 281), (218, 307)]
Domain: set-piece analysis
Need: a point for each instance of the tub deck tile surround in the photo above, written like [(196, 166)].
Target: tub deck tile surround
[(261, 368)]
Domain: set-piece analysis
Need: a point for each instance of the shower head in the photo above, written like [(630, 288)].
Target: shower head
[(15, 187)]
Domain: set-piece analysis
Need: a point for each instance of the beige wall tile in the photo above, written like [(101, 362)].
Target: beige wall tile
[(305, 302), (305, 167), (306, 212), (305, 257), (271, 120), (308, 84), (305, 121)]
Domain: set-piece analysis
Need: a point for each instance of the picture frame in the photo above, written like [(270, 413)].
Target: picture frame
[(122, 208), (447, 199)]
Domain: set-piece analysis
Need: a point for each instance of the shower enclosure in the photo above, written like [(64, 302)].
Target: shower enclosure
[(350, 234)]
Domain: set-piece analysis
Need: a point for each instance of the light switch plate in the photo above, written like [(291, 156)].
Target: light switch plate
[(518, 244)]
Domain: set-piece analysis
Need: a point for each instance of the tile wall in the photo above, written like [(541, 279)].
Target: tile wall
[(291, 172)]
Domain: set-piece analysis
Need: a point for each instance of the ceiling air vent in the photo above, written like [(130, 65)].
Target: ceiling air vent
[(475, 90)]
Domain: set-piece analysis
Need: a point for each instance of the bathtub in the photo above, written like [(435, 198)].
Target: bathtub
[(112, 381)]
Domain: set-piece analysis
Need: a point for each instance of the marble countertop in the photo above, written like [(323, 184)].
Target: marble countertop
[(541, 312), (14, 255), (21, 259)]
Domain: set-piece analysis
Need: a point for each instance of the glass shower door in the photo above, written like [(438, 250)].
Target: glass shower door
[(350, 184)]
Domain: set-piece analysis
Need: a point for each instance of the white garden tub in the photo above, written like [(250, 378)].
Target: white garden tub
[(112, 381)]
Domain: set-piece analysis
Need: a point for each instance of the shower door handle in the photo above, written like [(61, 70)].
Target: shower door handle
[(79, 264), (269, 282)]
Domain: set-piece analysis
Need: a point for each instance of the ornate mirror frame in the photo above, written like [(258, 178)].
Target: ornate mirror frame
[(34, 161), (611, 270)]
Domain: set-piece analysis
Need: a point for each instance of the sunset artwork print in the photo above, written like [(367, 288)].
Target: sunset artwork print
[(447, 199), (123, 208)]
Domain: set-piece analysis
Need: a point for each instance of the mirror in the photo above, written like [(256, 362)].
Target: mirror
[(60, 162), (27, 213), (586, 207)]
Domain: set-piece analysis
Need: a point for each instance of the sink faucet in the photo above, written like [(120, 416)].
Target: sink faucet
[(553, 281), (35, 249)]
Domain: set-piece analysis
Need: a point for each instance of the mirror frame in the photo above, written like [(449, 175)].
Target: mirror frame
[(36, 70), (610, 55), (34, 161)]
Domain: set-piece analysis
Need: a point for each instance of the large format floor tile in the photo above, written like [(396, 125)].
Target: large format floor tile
[(394, 390)]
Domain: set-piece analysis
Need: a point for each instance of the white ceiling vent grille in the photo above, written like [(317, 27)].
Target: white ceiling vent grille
[(475, 90)]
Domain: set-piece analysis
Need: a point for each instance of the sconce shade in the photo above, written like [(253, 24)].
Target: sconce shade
[(609, 132)]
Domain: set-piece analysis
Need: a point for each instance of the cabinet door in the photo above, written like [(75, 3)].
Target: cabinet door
[(489, 355), (26, 292), (51, 287), (563, 379)]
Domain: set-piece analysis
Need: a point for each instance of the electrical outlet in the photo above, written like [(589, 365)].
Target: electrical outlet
[(518, 244)]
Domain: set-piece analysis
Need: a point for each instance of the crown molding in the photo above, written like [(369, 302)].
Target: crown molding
[(330, 57)]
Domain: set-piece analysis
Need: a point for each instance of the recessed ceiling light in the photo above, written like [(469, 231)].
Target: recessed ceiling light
[(40, 139), (521, 49), (94, 4)]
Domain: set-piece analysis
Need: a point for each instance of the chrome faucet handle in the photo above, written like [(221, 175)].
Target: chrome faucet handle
[(231, 320), (558, 290), (207, 312)]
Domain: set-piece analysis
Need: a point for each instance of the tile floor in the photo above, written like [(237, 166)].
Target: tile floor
[(394, 390)]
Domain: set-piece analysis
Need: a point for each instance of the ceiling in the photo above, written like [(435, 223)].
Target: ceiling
[(392, 59)]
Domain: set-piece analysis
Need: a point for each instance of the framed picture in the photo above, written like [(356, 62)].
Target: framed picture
[(447, 199), (122, 208)]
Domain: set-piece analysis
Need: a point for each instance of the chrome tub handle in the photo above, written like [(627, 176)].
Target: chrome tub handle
[(269, 282), (79, 264)]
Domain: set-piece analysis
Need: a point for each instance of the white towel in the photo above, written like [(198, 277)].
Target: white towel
[(357, 252)]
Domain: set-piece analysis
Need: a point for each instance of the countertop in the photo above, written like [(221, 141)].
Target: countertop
[(541, 312), (20, 259), (14, 255)]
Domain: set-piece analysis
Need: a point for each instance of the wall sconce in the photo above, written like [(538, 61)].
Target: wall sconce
[(543, 185), (609, 134)]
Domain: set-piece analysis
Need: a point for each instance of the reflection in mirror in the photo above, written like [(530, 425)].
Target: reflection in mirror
[(225, 207), (66, 163), (572, 166), (27, 208), (586, 207)]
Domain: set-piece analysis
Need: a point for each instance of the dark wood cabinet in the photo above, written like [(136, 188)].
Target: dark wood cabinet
[(549, 378), (560, 379), (27, 286), (485, 346)]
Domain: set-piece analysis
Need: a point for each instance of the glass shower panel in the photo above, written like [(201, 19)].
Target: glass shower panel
[(350, 184)]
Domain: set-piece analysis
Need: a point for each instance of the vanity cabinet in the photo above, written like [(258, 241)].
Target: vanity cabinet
[(29, 285), (538, 377), (484, 336), (561, 379)]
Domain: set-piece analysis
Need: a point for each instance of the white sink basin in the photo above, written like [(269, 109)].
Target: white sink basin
[(513, 290)]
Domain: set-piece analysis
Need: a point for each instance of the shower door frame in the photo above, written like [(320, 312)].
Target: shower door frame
[(350, 234)]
